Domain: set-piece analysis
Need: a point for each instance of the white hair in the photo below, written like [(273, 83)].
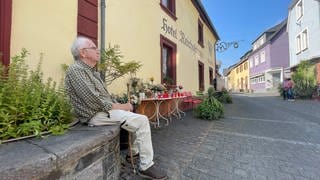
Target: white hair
[(78, 44)]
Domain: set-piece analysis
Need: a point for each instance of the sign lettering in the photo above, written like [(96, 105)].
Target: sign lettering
[(169, 29)]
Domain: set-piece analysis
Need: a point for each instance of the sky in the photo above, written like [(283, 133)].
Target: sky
[(243, 21)]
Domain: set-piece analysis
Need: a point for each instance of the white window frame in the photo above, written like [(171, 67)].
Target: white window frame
[(255, 46), (251, 63), (261, 40), (256, 60), (299, 10), (298, 43), (304, 40), (262, 56)]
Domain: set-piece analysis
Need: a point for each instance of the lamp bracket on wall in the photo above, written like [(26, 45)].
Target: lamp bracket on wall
[(223, 46)]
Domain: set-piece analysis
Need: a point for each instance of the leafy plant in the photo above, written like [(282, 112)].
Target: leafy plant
[(199, 93), (210, 108), (28, 106), (222, 96), (113, 68), (168, 80), (280, 89), (122, 99), (304, 80)]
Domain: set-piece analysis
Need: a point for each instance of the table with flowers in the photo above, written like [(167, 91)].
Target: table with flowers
[(156, 101), (162, 106)]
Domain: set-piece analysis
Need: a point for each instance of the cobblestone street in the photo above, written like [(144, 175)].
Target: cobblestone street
[(259, 138)]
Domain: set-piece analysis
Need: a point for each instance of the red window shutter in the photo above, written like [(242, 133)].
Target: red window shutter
[(88, 19), (5, 30)]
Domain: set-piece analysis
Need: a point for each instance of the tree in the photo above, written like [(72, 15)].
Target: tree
[(304, 79), (111, 66)]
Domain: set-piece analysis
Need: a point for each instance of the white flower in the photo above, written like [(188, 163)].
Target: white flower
[(134, 99)]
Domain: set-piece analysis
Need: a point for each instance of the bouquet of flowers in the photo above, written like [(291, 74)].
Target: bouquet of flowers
[(158, 88)]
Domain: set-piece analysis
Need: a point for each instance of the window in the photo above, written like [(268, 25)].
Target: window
[(245, 66), (259, 79), (299, 10), (302, 41), (237, 70), (168, 61), (298, 44), (262, 56), (241, 83), (241, 68), (201, 75), (200, 33), (169, 6), (211, 75), (246, 82), (255, 46), (261, 40), (251, 63), (256, 60)]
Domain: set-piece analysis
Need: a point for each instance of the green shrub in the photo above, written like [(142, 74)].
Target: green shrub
[(223, 96), (210, 108), (280, 89), (28, 106), (122, 99), (304, 80)]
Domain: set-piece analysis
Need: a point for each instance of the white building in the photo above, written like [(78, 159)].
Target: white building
[(304, 33)]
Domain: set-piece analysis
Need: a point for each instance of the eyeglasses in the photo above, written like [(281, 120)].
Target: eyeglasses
[(93, 48)]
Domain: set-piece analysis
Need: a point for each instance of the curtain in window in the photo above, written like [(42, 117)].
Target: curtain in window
[(164, 61), (165, 3)]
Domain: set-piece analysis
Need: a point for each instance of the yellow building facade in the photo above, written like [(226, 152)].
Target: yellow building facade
[(238, 76), (172, 39), (44, 27), (231, 79), (146, 30)]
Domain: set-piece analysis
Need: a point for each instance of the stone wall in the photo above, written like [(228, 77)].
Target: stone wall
[(82, 153)]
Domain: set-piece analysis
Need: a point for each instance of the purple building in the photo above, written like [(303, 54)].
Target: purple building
[(269, 57)]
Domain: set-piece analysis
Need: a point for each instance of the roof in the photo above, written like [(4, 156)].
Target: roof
[(246, 55), (242, 59), (293, 3), (204, 16), (229, 69), (272, 31)]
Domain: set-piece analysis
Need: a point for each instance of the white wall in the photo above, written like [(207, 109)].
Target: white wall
[(309, 20)]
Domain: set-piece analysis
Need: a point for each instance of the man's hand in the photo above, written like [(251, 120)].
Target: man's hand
[(130, 106), (125, 107)]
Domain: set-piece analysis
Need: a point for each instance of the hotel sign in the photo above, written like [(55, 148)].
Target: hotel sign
[(181, 36)]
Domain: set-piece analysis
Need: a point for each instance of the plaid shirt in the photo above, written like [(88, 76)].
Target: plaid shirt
[(86, 90)]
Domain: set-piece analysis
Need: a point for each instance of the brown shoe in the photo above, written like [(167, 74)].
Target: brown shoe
[(153, 173)]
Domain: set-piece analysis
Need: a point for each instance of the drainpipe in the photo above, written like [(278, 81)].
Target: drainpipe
[(103, 24), (102, 34)]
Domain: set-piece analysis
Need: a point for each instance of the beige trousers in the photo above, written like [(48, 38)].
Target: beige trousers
[(138, 125)]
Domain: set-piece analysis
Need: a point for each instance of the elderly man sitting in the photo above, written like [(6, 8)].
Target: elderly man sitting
[(93, 105)]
